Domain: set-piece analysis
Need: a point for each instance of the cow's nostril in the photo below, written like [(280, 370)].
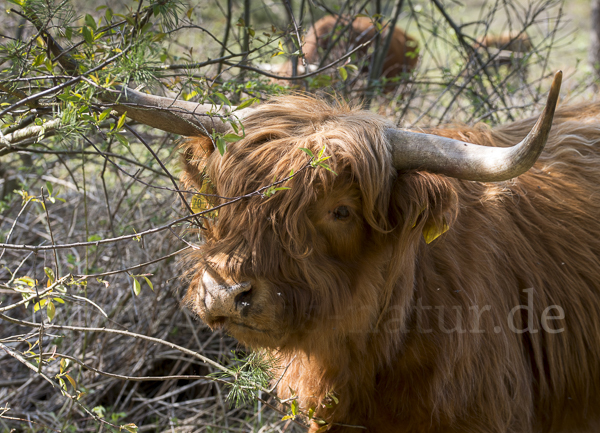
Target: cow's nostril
[(242, 301)]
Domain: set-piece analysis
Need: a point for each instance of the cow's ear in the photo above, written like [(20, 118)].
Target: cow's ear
[(423, 202), (194, 155)]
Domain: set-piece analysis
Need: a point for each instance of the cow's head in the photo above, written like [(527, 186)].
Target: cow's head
[(278, 265)]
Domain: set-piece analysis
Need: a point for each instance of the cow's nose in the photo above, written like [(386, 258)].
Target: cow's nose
[(226, 300)]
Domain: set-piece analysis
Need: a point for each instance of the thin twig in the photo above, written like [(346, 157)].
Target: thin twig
[(104, 274), (12, 228), (51, 234)]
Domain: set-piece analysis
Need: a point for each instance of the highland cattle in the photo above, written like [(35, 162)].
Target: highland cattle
[(446, 281), (332, 37), (506, 49)]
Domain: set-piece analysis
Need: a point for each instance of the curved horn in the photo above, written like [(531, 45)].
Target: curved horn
[(455, 158), (172, 115)]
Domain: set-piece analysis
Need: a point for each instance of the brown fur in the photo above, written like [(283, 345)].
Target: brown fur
[(510, 41), (339, 300), (512, 47), (402, 55)]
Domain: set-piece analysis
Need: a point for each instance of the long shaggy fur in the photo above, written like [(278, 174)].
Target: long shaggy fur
[(396, 329)]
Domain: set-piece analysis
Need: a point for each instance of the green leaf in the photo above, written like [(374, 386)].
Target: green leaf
[(288, 417), (89, 21), (127, 18), (137, 288), (104, 114), (294, 407), (49, 65), (307, 151), (188, 96), (27, 280), (147, 27), (131, 428), (51, 311), (246, 103), (326, 167), (321, 153), (67, 97), (149, 283), (122, 140), (50, 274), (71, 381), (121, 121), (99, 411), (39, 305), (94, 238), (49, 187), (321, 81), (231, 138), (221, 146), (223, 98), (272, 190), (281, 50), (40, 59), (343, 73), (88, 35), (60, 301)]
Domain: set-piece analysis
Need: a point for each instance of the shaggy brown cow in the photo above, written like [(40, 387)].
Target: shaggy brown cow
[(401, 58), (506, 49), (517, 42), (492, 327)]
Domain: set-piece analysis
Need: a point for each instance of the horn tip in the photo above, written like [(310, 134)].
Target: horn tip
[(554, 90), (557, 81)]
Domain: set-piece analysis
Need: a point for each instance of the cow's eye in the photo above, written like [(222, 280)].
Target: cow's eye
[(341, 213)]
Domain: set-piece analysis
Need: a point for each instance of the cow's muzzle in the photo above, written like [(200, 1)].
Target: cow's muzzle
[(224, 301)]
